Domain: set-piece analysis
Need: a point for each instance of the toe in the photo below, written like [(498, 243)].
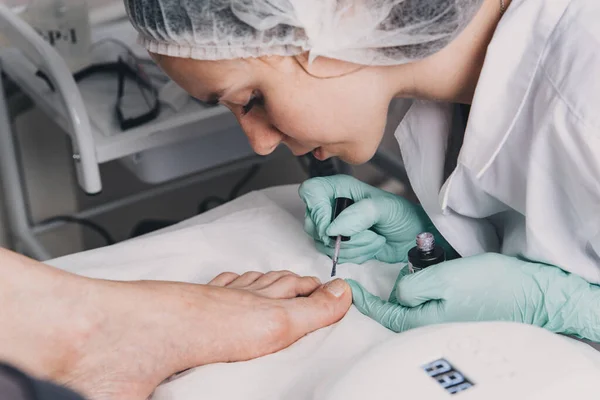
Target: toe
[(290, 286), (325, 306), (245, 280), (269, 278), (224, 279)]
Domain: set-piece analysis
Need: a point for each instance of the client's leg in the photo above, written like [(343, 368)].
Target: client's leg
[(119, 340)]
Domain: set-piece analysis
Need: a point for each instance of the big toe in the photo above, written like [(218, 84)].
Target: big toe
[(325, 306)]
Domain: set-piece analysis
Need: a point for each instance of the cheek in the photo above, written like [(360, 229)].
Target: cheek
[(320, 116), (304, 121)]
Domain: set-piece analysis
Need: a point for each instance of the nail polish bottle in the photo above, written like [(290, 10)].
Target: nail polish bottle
[(425, 253)]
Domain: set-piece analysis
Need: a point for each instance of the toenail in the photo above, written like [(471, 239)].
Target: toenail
[(316, 279), (336, 287)]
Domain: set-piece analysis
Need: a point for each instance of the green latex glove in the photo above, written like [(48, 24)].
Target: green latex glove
[(381, 225), (488, 287)]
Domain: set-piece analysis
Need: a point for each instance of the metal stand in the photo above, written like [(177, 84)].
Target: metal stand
[(13, 185)]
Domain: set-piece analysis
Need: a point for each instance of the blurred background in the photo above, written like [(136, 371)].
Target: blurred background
[(197, 179)]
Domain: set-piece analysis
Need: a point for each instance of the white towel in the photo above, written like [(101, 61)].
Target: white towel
[(261, 236)]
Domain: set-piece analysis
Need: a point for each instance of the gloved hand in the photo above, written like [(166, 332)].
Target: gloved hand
[(488, 287), (381, 225)]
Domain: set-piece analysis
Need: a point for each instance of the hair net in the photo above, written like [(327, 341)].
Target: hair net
[(369, 32)]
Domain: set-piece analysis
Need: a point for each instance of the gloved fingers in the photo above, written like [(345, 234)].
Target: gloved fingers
[(359, 259), (429, 313), (393, 253), (387, 314), (319, 194), (320, 218), (365, 250), (413, 290), (379, 209), (315, 190), (367, 240), (395, 317), (311, 229), (357, 218), (362, 246), (403, 272), (321, 248)]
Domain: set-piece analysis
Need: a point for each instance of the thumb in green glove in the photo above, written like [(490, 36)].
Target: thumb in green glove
[(488, 287)]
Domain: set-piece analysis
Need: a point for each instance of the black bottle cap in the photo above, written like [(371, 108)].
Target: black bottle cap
[(340, 204), (426, 252)]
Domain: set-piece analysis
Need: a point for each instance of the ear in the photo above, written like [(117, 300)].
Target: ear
[(323, 67)]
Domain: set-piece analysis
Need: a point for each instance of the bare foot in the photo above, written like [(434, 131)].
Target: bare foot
[(119, 340)]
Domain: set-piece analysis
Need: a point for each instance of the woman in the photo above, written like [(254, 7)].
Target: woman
[(520, 203)]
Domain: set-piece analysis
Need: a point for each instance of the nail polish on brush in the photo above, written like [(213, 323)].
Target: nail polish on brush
[(341, 203)]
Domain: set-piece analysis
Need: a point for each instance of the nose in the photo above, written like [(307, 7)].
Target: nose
[(263, 137)]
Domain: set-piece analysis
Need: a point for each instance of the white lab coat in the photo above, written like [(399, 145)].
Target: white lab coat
[(527, 180)]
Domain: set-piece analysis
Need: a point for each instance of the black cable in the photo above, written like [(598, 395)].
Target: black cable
[(84, 222), (245, 179), (205, 205)]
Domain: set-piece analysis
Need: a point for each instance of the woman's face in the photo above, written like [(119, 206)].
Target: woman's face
[(276, 101)]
